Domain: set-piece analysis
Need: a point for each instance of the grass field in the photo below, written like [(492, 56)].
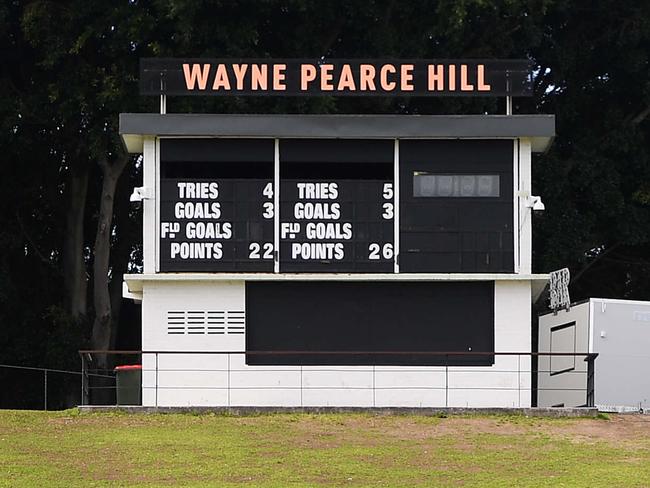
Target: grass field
[(285, 450)]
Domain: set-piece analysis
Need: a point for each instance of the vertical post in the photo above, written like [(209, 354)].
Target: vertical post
[(374, 400), (156, 382), (301, 385), (446, 380), (228, 379), (396, 207), (508, 98), (45, 389), (163, 98), (83, 380), (276, 206), (519, 379), (591, 396)]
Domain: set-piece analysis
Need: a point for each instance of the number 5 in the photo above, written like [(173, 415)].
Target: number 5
[(388, 191)]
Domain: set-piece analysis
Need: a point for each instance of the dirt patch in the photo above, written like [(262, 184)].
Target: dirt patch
[(315, 432), (619, 429)]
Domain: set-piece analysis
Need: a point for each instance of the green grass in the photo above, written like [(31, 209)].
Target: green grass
[(285, 450)]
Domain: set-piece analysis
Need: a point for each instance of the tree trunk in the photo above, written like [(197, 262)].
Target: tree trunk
[(103, 324), (121, 253), (75, 283)]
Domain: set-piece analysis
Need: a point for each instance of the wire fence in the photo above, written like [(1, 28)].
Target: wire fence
[(46, 378)]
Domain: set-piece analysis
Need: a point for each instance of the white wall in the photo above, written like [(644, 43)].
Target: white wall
[(621, 337), (225, 380), (555, 387)]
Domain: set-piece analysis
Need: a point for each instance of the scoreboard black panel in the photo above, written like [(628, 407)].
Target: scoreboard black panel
[(459, 217), (220, 224), (216, 205), (336, 206), (336, 226), (357, 319)]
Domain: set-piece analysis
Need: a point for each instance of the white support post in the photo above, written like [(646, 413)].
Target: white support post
[(396, 207), (516, 202), (525, 213), (149, 206), (276, 207)]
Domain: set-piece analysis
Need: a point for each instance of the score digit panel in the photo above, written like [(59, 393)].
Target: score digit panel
[(336, 226), (217, 206), (216, 225)]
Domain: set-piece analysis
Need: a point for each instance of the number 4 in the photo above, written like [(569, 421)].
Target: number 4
[(268, 190)]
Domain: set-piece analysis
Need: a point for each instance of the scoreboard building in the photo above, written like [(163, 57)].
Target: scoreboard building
[(333, 260)]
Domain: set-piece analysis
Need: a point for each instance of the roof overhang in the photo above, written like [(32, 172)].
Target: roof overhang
[(135, 283), (540, 129)]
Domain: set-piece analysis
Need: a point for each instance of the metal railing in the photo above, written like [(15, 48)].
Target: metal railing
[(157, 376)]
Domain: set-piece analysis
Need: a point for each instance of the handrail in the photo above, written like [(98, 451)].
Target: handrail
[(343, 353)]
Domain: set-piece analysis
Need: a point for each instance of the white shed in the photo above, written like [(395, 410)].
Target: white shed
[(619, 332)]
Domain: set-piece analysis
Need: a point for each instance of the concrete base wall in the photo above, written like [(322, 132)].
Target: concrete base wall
[(528, 412)]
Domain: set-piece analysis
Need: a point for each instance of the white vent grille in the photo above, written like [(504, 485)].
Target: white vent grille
[(202, 322)]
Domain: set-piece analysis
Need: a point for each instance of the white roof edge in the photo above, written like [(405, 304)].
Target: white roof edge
[(135, 282)]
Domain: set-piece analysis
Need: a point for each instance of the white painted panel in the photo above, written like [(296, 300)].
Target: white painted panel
[(265, 397), (421, 378), (160, 298), (568, 389), (621, 337), (486, 398), (265, 379), (410, 397), (188, 397), (337, 379), (192, 379), (324, 397)]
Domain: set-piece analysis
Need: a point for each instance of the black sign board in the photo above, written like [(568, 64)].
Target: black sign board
[(336, 225), (339, 77), (336, 207), (216, 206)]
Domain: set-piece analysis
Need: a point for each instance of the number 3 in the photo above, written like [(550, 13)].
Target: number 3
[(388, 211), (268, 210)]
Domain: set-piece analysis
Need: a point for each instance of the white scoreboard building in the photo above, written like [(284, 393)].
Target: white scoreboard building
[(336, 260)]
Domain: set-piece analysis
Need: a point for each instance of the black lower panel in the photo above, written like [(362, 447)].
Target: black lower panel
[(369, 323)]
